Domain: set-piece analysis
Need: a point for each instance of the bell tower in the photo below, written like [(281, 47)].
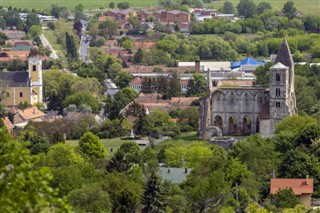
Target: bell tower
[(35, 75)]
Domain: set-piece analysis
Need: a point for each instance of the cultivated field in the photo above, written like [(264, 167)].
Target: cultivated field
[(88, 4), (304, 6)]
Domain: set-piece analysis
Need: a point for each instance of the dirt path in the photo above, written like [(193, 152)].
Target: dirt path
[(46, 44)]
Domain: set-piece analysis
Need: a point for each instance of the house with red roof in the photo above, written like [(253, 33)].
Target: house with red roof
[(8, 124), (302, 188)]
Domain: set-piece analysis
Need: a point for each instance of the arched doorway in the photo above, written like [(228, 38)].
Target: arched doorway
[(218, 122), (232, 125), (246, 125), (258, 125)]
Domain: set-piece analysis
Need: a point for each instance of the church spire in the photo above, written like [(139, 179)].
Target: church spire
[(284, 55)]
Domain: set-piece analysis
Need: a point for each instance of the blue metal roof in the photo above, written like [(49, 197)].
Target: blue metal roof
[(246, 61)]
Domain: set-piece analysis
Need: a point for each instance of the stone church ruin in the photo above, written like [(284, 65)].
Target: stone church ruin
[(248, 109)]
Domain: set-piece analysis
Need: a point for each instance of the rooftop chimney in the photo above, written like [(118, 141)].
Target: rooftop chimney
[(186, 170), (168, 170), (197, 66), (307, 177)]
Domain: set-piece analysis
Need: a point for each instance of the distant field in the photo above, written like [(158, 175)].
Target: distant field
[(304, 6), (94, 4)]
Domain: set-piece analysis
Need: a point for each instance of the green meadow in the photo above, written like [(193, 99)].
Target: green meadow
[(305, 6), (88, 4)]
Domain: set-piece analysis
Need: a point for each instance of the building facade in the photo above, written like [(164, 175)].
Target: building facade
[(243, 110), (24, 86)]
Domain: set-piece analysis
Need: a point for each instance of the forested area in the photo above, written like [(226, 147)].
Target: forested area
[(90, 178)]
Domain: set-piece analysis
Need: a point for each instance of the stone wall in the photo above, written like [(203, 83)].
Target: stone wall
[(236, 110)]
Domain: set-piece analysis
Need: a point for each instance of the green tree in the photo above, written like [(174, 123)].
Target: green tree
[(263, 6), (113, 70), (153, 195), (3, 38), (197, 85), (90, 145), (51, 25), (209, 192), (246, 8), (294, 123), (108, 28), (72, 51), (262, 74), (79, 7), (142, 125), (228, 8), (111, 5), (123, 5), (61, 155), (24, 188), (174, 86), (122, 80), (289, 9), (138, 56), (284, 198), (125, 193), (189, 116), (34, 31), (90, 198), (36, 144), (32, 19), (80, 98), (16, 65)]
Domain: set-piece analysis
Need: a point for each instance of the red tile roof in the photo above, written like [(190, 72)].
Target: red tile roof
[(31, 113), (136, 81), (299, 186), (144, 44), (7, 123)]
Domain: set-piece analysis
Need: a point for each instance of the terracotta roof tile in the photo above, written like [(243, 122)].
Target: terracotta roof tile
[(136, 81), (7, 123), (31, 113), (299, 186)]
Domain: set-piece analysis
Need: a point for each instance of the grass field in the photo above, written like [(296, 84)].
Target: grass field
[(113, 143), (304, 6), (94, 4), (49, 34), (185, 139)]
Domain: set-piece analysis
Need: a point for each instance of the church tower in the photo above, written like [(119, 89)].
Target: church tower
[(282, 96), (35, 75), (279, 92), (284, 57)]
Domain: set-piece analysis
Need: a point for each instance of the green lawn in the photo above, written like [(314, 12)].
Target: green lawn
[(185, 139), (94, 4), (49, 34), (113, 143), (305, 6)]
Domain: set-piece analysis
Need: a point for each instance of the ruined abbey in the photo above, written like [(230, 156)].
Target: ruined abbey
[(239, 109)]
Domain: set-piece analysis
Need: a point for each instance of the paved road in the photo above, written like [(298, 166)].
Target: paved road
[(84, 46), (46, 44)]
